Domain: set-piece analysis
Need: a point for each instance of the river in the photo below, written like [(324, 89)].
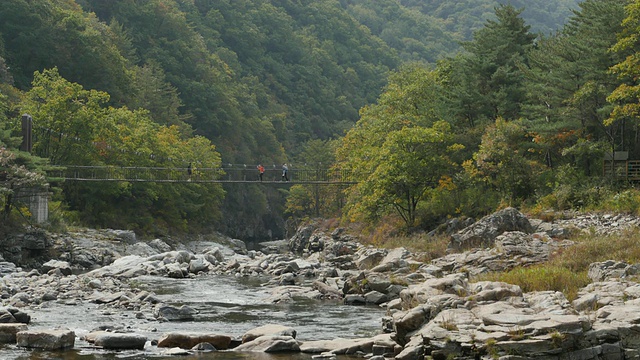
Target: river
[(226, 305)]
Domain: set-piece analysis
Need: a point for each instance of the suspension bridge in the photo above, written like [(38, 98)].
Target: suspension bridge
[(237, 174)]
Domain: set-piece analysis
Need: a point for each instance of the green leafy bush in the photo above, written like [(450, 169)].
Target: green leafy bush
[(627, 201)]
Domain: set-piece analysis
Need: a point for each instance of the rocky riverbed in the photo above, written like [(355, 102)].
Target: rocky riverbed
[(422, 309)]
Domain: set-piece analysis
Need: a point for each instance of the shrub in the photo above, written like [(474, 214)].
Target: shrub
[(571, 189), (627, 201), (557, 338)]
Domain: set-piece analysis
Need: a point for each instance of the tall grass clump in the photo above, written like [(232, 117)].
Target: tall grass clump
[(543, 278)]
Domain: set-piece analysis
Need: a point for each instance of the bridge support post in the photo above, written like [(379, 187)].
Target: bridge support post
[(37, 200), (27, 129)]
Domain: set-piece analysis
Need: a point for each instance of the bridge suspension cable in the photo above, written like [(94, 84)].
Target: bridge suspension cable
[(199, 175)]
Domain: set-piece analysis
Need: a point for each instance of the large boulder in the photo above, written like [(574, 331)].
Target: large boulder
[(484, 232), (370, 257), (393, 260), (62, 266), (46, 339), (199, 264), (13, 315), (126, 266), (271, 343), (188, 340), (338, 346), (268, 330), (117, 341), (300, 241), (172, 313), (8, 332), (7, 268)]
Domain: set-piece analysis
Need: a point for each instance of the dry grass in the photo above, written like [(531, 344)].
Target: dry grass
[(590, 248), (543, 278), (387, 235), (566, 271), (424, 247)]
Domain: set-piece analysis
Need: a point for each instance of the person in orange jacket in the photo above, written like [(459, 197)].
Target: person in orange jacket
[(261, 170)]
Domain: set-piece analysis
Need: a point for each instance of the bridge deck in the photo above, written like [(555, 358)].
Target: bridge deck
[(199, 175)]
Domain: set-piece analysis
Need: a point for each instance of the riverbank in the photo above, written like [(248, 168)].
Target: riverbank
[(425, 309)]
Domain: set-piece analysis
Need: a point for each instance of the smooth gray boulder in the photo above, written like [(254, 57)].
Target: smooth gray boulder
[(270, 343), (172, 313), (337, 346), (268, 330)]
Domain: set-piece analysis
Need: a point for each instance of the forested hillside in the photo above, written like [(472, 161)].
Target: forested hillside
[(463, 18), (427, 30), (273, 81)]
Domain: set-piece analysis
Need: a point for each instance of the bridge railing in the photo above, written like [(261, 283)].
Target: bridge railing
[(132, 173), (195, 174), (627, 169), (293, 174)]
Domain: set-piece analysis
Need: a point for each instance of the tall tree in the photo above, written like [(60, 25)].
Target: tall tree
[(626, 97), (487, 81), (567, 85), (399, 149), (503, 161), (409, 164)]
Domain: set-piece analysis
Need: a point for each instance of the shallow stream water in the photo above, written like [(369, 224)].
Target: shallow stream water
[(225, 305)]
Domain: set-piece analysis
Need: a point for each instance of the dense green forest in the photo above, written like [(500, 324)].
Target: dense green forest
[(441, 109)]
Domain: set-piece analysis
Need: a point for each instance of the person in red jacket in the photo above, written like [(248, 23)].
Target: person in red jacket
[(261, 171)]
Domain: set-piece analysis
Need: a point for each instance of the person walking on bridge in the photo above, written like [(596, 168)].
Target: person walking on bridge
[(285, 172), (261, 170)]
